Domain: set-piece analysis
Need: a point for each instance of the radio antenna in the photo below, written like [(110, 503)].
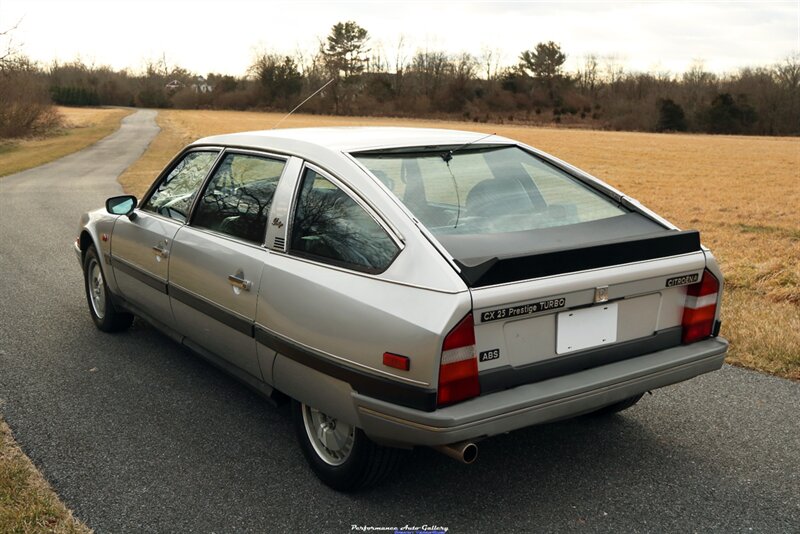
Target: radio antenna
[(301, 103), (447, 156)]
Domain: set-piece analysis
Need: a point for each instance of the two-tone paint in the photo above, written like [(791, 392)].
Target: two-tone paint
[(316, 332)]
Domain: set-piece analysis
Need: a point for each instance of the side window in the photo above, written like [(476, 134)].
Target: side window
[(330, 226), (174, 195), (238, 197)]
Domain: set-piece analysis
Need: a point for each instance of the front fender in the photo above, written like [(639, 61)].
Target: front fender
[(96, 228)]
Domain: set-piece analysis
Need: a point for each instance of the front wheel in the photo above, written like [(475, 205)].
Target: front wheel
[(340, 454), (104, 314)]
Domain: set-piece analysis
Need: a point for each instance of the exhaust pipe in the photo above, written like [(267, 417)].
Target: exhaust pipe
[(464, 451)]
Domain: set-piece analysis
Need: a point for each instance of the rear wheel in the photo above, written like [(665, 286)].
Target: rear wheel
[(617, 406), (340, 454), (104, 314)]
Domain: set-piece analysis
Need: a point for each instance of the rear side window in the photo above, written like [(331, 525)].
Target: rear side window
[(174, 195), (238, 196), (486, 190), (331, 227)]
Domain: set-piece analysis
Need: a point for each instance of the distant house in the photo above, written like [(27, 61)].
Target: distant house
[(173, 86), (200, 85)]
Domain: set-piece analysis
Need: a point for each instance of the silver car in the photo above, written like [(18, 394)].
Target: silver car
[(406, 287)]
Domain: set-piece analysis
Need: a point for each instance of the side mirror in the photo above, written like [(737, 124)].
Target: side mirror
[(122, 205)]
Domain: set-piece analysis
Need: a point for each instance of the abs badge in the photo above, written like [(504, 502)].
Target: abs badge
[(489, 355)]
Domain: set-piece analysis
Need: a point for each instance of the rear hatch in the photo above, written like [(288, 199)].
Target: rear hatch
[(565, 273), (582, 307)]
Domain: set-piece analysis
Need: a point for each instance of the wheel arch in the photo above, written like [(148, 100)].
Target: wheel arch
[(315, 389), (85, 240), (92, 226)]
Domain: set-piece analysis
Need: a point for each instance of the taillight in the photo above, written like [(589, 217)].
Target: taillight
[(458, 372), (700, 309)]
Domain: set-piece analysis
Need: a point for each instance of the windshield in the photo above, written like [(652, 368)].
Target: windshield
[(486, 190)]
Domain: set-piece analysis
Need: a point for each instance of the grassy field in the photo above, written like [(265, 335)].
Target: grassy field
[(27, 503), (742, 193), (82, 127)]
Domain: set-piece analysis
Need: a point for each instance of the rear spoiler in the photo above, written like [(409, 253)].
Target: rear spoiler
[(514, 268)]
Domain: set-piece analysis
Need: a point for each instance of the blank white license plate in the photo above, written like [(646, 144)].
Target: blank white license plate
[(586, 328)]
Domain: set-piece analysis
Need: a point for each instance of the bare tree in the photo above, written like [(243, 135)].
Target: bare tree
[(8, 49), (377, 61), (589, 76), (25, 106), (613, 69), (430, 68), (699, 88), (697, 75), (400, 60), (788, 72), (465, 66), (788, 75), (490, 59)]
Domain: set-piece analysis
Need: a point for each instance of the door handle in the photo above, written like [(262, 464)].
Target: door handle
[(239, 282), (160, 251)]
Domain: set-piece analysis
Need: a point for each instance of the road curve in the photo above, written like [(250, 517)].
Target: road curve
[(138, 435)]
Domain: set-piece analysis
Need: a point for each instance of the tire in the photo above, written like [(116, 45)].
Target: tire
[(617, 406), (101, 306), (353, 461)]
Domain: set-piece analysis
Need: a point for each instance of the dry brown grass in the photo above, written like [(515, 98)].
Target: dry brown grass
[(764, 334), (27, 503), (742, 193), (82, 127)]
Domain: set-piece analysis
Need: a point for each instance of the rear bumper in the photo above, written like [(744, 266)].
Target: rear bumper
[(540, 402)]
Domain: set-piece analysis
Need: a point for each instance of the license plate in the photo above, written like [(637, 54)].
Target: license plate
[(586, 328)]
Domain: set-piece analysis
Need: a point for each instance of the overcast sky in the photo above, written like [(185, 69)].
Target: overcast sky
[(222, 36)]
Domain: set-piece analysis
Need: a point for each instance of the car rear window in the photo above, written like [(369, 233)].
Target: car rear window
[(486, 190)]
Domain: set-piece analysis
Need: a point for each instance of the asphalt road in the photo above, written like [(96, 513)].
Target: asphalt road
[(138, 435)]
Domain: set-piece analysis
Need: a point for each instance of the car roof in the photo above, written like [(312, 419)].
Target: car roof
[(350, 139)]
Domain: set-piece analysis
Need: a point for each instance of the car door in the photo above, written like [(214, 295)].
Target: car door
[(217, 260), (140, 245)]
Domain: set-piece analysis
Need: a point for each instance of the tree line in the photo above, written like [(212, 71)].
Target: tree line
[(537, 89)]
